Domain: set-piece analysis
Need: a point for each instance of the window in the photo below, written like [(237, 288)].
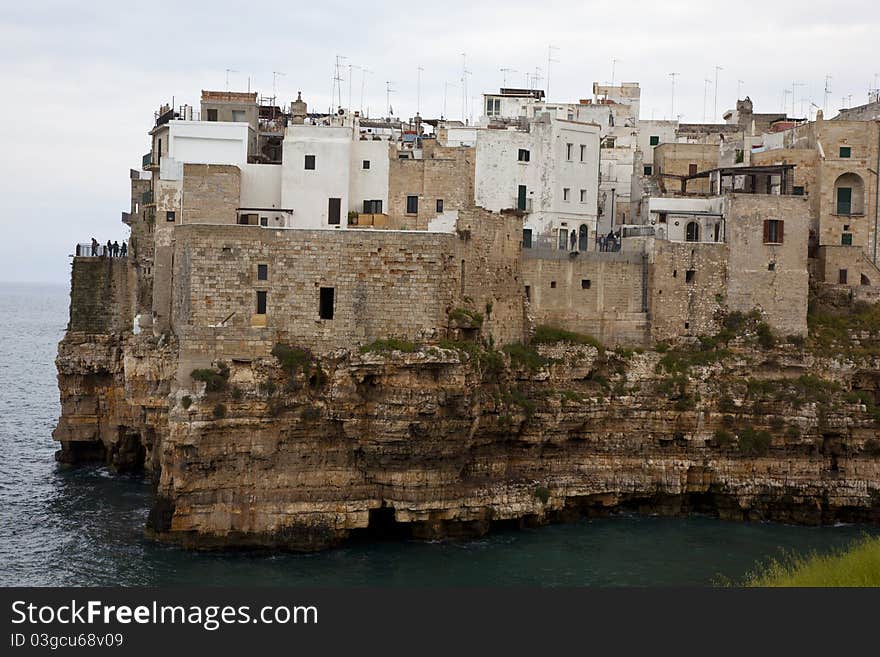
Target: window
[(325, 303), (264, 221), (334, 210), (565, 192), (373, 206), (238, 116), (562, 239), (692, 232), (773, 231), (261, 302), (212, 115), (692, 169), (262, 272), (310, 162), (583, 196), (771, 266), (493, 107), (528, 292), (170, 215), (654, 140), (841, 276), (521, 198), (523, 155), (846, 239), (648, 170), (366, 164), (844, 200), (608, 142), (798, 190), (527, 238), (689, 275), (552, 285), (585, 283), (845, 151), (412, 204), (439, 205), (662, 217), (568, 148), (583, 152)]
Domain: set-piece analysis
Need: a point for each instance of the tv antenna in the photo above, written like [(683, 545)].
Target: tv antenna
[(275, 75), (715, 109), (827, 94), (613, 67), (388, 92), (364, 72), (550, 60), (228, 71), (504, 72), (706, 84), (672, 77)]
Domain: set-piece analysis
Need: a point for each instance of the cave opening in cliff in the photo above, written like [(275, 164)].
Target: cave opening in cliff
[(383, 526)]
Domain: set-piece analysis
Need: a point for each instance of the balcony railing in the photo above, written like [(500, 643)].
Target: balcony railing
[(147, 197), (523, 205)]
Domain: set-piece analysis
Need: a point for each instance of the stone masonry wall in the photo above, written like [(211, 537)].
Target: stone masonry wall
[(101, 292), (596, 293), (211, 193), (683, 303)]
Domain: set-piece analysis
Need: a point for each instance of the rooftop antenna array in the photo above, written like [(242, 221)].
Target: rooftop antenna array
[(275, 75), (613, 67), (672, 77), (715, 107), (827, 94), (706, 84), (550, 60), (228, 71), (388, 92), (337, 82), (504, 72), (364, 72), (464, 73)]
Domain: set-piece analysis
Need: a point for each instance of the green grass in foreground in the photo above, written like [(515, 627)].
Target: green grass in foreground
[(857, 565)]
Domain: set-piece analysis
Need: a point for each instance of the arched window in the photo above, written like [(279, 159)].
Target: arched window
[(692, 232), (582, 238), (849, 194)]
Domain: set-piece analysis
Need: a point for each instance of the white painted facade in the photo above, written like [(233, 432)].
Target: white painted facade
[(199, 142), (560, 177), (671, 216)]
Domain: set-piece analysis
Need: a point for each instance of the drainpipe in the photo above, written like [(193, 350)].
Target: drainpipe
[(876, 189)]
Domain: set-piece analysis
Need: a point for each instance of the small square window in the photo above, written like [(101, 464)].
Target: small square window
[(366, 164), (552, 285), (648, 170), (170, 215), (771, 266), (523, 155), (845, 151), (846, 239), (585, 283), (212, 114), (439, 205), (655, 139), (412, 204), (310, 162), (325, 304), (262, 272), (689, 275), (264, 221), (798, 190)]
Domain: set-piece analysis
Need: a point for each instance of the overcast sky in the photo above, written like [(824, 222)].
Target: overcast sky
[(81, 80)]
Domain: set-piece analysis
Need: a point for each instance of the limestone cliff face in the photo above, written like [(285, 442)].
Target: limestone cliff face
[(447, 442)]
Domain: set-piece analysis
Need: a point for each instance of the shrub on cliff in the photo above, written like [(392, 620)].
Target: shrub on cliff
[(552, 335), (215, 380), (220, 411), (542, 493), (722, 439), (754, 443), (523, 356), (466, 318), (292, 359), (186, 401)]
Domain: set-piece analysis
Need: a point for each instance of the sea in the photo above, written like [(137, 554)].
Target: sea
[(84, 526)]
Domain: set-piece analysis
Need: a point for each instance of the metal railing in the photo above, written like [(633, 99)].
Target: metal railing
[(89, 250), (147, 197), (147, 160)]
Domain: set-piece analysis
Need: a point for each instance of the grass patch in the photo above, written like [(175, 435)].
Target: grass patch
[(525, 357), (466, 318), (552, 335), (292, 359), (389, 345), (857, 565)]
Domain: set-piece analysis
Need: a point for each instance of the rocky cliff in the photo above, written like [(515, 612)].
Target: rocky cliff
[(300, 451)]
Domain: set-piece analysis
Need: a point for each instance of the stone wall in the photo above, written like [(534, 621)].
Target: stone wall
[(601, 294), (772, 277), (211, 193), (101, 295), (445, 173), (688, 285), (386, 284), (676, 160)]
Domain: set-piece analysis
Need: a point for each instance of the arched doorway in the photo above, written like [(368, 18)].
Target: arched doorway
[(692, 232), (582, 238), (849, 194)]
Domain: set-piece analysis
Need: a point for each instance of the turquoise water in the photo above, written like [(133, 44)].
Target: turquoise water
[(85, 526)]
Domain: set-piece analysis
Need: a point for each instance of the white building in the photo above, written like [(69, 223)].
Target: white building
[(684, 219), (550, 171)]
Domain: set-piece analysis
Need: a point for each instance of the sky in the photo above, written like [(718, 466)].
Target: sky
[(81, 80)]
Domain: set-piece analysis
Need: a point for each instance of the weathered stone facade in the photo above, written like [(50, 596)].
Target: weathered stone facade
[(211, 193)]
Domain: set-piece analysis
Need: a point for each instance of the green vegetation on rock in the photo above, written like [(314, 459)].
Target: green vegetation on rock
[(858, 565)]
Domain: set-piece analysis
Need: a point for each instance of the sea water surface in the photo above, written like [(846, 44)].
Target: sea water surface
[(84, 526)]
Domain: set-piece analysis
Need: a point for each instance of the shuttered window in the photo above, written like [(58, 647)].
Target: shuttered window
[(774, 230)]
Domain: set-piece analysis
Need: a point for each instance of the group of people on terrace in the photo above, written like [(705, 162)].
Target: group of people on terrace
[(110, 250)]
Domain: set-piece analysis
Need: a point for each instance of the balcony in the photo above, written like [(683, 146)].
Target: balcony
[(126, 218), (147, 162), (522, 204), (147, 197)]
